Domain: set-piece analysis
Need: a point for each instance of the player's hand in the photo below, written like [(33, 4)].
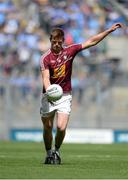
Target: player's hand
[(116, 26)]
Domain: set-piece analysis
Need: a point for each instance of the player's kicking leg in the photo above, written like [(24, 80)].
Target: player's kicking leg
[(62, 121)]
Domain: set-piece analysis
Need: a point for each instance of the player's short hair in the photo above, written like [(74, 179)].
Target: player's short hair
[(57, 32)]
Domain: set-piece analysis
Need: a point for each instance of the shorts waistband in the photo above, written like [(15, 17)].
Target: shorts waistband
[(67, 93)]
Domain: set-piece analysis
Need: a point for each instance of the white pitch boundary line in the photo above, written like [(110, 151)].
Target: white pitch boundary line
[(97, 156), (80, 156)]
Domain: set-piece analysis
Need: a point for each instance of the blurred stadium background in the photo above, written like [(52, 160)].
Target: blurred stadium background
[(100, 74)]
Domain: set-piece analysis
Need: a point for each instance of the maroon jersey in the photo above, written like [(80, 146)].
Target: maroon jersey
[(60, 65)]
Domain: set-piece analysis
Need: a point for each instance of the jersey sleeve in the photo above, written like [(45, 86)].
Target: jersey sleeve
[(75, 48), (44, 63)]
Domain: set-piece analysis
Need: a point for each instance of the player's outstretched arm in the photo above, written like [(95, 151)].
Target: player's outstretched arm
[(99, 37)]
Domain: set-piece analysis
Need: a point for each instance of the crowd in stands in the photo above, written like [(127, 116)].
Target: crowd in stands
[(24, 35)]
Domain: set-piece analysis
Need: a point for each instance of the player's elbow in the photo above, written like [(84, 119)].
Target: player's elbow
[(89, 44), (93, 42)]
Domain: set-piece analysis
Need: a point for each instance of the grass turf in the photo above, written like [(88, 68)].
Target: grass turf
[(20, 160)]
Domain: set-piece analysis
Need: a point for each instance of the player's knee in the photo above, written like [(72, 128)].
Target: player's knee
[(61, 128), (48, 129), (47, 125)]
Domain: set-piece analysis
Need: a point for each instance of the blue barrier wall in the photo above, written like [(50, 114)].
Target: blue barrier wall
[(121, 136), (74, 135)]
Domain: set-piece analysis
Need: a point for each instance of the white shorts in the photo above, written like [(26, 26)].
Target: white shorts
[(62, 105)]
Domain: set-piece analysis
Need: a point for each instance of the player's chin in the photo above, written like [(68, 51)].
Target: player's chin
[(57, 50)]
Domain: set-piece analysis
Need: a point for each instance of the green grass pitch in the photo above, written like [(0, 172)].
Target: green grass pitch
[(19, 160)]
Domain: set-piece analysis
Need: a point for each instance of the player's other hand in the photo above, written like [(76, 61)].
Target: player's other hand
[(116, 26)]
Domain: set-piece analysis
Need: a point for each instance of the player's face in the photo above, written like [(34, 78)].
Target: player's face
[(57, 44)]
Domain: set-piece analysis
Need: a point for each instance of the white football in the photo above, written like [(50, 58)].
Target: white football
[(54, 92)]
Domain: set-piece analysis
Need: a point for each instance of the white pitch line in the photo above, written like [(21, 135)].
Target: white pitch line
[(100, 156)]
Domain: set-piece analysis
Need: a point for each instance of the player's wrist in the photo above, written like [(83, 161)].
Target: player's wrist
[(110, 30)]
